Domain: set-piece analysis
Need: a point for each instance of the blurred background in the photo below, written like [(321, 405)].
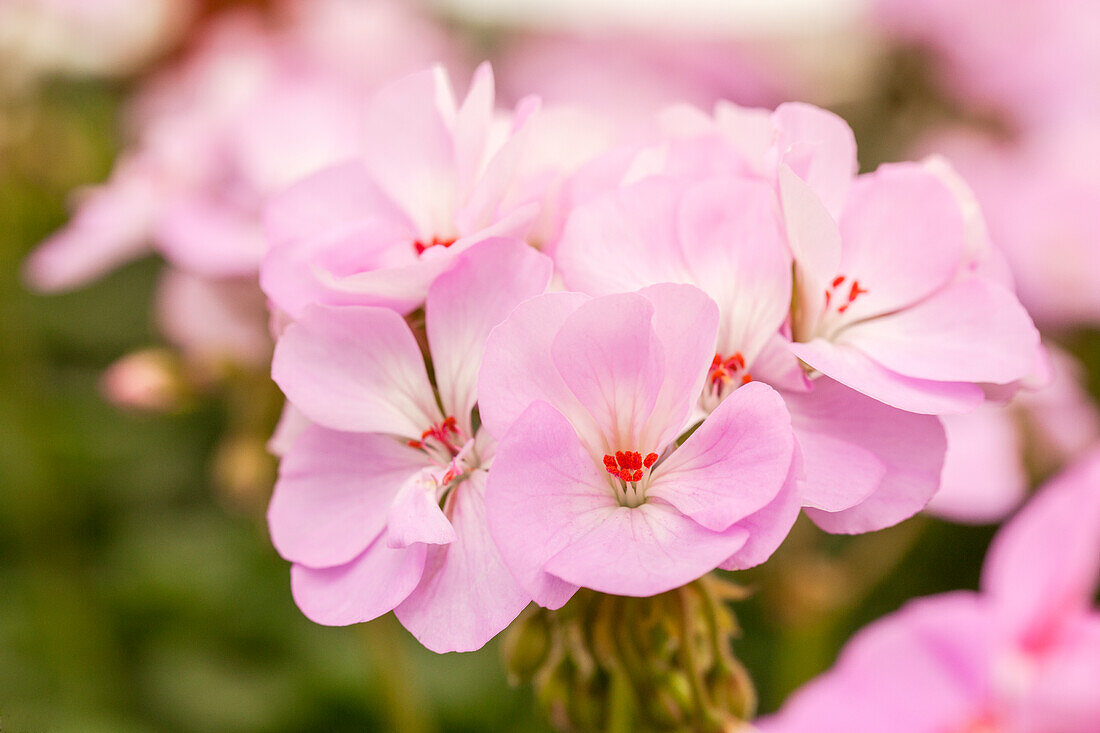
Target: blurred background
[(138, 588)]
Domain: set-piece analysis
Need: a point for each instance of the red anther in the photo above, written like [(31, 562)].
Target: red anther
[(650, 460), (415, 444), (843, 308), (449, 476), (609, 463), (628, 465), (421, 246), (837, 281), (746, 378), (828, 297), (738, 360), (637, 475), (620, 458), (856, 291)]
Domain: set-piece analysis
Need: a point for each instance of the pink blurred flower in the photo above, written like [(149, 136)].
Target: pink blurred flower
[(250, 110), (1036, 61), (627, 78), (1021, 656), (866, 465), (590, 486), (1041, 200), (985, 475), (433, 177), (380, 501)]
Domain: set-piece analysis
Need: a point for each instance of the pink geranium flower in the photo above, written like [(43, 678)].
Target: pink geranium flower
[(433, 177), (594, 484), (380, 502), (887, 300), (866, 465), (1021, 656)]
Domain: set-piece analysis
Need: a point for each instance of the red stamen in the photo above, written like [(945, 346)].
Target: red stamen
[(853, 292), (838, 280), (628, 465), (421, 246), (746, 378), (415, 444)]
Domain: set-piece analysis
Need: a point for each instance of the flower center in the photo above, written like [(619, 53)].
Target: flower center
[(443, 437), (421, 246), (840, 294), (629, 467), (725, 371)]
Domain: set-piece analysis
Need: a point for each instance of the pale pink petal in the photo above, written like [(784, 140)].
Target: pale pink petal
[(768, 527), (1063, 697), (415, 516), (333, 492), (972, 331), (292, 423), (624, 240), (464, 304), (642, 551), (409, 150), (208, 237), (466, 595), (1044, 565), (356, 369), (820, 148), (814, 239), (851, 367), (684, 319), (734, 464), (112, 224), (518, 369), (612, 361), (920, 670), (471, 128), (904, 238), (867, 465), (333, 198), (984, 477), (544, 491), (732, 244), (372, 584), (214, 320)]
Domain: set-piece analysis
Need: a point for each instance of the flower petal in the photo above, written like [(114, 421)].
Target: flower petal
[(851, 367), (415, 516), (367, 587), (768, 527), (972, 331), (820, 148), (356, 369), (464, 304), (544, 491), (867, 465), (642, 551), (466, 595), (730, 234), (904, 238), (684, 319), (734, 464), (333, 491), (610, 357), (517, 368)]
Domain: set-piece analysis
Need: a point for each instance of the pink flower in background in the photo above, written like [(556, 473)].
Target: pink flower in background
[(628, 78), (1036, 61), (985, 475), (590, 486), (380, 502), (887, 300), (865, 465), (1021, 656), (1040, 197), (432, 178), (250, 110)]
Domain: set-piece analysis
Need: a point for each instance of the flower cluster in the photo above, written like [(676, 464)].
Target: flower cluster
[(725, 325)]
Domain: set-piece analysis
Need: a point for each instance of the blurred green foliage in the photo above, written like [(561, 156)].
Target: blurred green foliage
[(136, 597)]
